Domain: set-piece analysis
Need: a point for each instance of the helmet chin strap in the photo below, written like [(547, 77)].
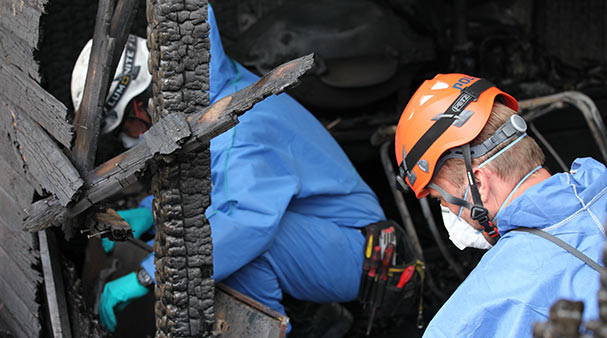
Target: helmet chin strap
[(477, 211)]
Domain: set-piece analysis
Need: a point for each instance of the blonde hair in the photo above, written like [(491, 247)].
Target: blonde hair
[(511, 166)]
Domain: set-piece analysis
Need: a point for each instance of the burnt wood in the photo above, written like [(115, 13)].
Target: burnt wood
[(123, 169), (22, 319), (18, 280), (15, 275), (17, 243), (178, 35), (122, 20), (15, 195), (109, 222), (88, 116), (16, 185), (50, 257), (11, 158), (41, 106), (22, 18), (14, 51), (40, 155)]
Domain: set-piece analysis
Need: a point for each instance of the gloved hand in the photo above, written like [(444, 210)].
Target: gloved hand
[(140, 220), (119, 293)]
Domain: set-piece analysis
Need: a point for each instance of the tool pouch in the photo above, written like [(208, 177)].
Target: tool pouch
[(399, 292)]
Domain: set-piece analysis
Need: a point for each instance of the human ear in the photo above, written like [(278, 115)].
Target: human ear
[(482, 178)]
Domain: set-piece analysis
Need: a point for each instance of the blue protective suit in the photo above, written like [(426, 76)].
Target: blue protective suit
[(287, 203), (516, 281)]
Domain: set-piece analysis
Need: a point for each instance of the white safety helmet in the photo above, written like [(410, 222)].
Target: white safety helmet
[(131, 79)]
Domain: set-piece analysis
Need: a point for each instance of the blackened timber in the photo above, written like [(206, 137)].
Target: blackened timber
[(18, 244), (41, 106), (14, 51), (13, 272), (88, 116), (10, 158), (122, 170), (15, 195), (122, 20), (222, 115), (23, 318), (22, 19), (109, 224), (40, 154), (14, 183), (53, 281), (178, 35)]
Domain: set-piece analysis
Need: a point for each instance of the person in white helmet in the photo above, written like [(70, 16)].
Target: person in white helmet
[(287, 204), (124, 107)]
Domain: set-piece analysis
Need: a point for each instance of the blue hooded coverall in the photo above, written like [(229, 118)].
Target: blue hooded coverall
[(523, 275), (286, 204)]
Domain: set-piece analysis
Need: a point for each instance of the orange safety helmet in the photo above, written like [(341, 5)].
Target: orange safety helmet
[(446, 112)]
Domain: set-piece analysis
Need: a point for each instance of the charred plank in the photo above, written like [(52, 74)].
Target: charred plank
[(17, 187), (122, 20), (107, 223), (41, 106), (88, 115), (19, 245), (22, 317), (40, 155), (21, 19), (179, 56), (17, 53)]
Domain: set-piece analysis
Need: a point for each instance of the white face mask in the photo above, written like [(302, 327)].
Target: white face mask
[(462, 234)]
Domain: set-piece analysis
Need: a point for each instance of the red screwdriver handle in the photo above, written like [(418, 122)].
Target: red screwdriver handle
[(375, 261), (388, 253), (406, 276)]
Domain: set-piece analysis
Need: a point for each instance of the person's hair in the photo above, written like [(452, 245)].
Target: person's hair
[(511, 166)]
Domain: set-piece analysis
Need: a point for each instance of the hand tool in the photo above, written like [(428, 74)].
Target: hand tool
[(382, 280)]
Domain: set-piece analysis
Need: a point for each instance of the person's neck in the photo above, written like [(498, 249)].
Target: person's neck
[(532, 180)]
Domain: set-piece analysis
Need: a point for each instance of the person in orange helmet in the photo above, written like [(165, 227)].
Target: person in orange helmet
[(461, 141)]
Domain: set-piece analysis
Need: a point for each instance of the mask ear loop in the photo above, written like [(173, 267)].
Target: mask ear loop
[(477, 212), (459, 214)]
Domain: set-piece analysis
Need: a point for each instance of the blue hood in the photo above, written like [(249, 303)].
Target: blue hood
[(222, 68), (568, 192)]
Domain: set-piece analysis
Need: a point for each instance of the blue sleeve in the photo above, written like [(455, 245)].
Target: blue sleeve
[(147, 203), (148, 263)]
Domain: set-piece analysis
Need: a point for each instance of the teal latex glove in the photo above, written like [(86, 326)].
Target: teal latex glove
[(119, 293), (140, 220)]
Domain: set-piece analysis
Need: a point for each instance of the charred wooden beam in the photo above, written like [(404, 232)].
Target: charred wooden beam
[(122, 20), (41, 106), (53, 282), (178, 36), (15, 51), (88, 116), (22, 19), (124, 169), (40, 155), (107, 222)]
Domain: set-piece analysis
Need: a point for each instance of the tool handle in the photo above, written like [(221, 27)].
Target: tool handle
[(387, 261), (406, 276), (375, 261)]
